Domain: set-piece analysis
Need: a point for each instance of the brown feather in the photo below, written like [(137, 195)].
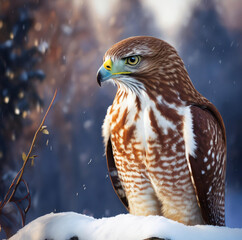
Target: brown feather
[(208, 167), (113, 174)]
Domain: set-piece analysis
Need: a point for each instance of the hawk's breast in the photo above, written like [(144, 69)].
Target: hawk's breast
[(149, 150)]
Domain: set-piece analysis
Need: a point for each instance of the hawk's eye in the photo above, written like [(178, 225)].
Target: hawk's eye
[(133, 60)]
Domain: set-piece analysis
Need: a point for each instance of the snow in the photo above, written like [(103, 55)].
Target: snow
[(70, 225)]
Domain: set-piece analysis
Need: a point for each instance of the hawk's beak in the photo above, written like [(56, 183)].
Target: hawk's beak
[(104, 72)]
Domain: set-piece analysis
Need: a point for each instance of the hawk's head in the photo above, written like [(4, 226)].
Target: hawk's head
[(144, 63)]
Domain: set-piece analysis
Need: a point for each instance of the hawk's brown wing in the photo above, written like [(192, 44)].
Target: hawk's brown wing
[(208, 167), (113, 173)]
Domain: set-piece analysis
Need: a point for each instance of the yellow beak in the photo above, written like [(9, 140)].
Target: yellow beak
[(108, 65)]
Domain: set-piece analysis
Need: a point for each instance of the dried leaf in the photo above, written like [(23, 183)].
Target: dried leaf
[(45, 131), (43, 128), (24, 156), (32, 162)]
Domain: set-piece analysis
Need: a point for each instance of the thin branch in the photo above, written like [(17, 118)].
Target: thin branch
[(14, 185)]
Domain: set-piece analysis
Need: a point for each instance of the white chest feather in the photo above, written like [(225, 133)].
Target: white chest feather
[(144, 131)]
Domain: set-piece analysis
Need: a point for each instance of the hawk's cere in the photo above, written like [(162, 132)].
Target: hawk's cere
[(165, 142)]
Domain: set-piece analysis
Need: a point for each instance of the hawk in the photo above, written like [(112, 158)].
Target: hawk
[(165, 142)]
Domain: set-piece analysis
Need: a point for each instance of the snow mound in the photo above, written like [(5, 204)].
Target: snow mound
[(74, 226)]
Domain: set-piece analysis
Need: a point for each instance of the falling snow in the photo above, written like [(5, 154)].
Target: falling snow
[(68, 53)]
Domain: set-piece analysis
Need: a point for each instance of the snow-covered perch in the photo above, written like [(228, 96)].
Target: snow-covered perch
[(74, 226)]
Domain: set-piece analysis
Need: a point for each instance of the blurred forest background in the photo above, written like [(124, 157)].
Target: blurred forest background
[(60, 44)]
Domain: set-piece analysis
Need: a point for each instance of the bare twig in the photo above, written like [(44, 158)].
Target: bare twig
[(14, 185)]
